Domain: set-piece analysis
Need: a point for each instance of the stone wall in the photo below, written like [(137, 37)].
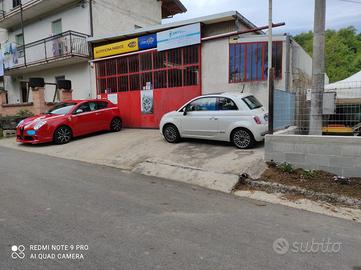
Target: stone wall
[(36, 107), (335, 154)]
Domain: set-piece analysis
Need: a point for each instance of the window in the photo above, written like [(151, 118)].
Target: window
[(19, 40), (56, 27), (16, 3), (252, 102), (226, 104), (102, 105), (202, 104), (62, 108), (87, 107), (166, 69), (248, 61)]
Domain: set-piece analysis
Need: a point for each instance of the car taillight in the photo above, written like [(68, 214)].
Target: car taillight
[(257, 120)]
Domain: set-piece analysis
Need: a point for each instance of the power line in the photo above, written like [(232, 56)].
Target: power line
[(351, 1)]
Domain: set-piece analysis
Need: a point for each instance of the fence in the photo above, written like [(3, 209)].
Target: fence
[(340, 112), (69, 43)]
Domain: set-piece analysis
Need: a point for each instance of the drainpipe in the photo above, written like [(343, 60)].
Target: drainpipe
[(22, 30), (288, 62), (91, 17)]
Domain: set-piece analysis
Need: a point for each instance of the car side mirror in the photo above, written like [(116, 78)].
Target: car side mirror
[(185, 112), (79, 111)]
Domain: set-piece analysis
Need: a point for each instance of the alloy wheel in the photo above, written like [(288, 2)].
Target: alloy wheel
[(63, 135), (171, 134), (242, 139), (116, 124)]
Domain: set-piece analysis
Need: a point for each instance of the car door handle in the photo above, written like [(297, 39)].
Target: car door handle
[(213, 118)]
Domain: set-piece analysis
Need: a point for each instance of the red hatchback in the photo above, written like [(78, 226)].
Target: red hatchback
[(69, 119)]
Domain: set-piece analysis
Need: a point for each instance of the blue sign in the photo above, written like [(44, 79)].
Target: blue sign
[(179, 37), (147, 42)]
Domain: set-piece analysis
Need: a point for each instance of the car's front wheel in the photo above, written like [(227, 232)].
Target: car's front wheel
[(62, 135), (171, 133), (116, 125), (242, 138)]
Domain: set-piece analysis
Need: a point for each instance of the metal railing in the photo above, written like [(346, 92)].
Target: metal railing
[(66, 44)]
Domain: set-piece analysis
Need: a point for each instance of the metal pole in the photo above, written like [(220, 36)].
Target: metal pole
[(270, 71), (22, 29), (318, 68)]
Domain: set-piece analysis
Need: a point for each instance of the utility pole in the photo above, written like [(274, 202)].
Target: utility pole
[(270, 71), (318, 68)]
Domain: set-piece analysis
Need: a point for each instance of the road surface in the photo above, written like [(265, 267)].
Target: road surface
[(73, 215)]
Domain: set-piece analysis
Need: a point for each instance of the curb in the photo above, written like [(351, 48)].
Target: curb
[(212, 180), (280, 188)]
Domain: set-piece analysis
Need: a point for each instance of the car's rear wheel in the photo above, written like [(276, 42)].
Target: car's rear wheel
[(116, 125), (171, 133), (242, 138), (62, 135)]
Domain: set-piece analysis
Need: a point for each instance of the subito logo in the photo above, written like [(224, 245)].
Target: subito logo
[(281, 246), (17, 252)]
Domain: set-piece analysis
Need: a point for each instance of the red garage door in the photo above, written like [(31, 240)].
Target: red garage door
[(150, 84)]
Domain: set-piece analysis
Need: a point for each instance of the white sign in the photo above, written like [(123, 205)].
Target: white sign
[(179, 37), (147, 101)]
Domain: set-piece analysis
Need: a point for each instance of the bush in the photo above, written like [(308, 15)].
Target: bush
[(24, 113), (309, 173), (285, 167)]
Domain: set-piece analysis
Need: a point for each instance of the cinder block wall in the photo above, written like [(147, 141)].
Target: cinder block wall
[(334, 154)]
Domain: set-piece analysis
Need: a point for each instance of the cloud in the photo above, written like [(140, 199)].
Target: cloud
[(297, 14)]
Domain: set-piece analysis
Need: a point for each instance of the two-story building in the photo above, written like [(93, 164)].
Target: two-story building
[(47, 38)]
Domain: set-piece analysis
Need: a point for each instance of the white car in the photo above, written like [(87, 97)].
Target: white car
[(233, 117)]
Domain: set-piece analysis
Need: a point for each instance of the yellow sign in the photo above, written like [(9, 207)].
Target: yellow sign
[(130, 45)]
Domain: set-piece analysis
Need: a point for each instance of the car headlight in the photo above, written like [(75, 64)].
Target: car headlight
[(20, 123), (39, 124)]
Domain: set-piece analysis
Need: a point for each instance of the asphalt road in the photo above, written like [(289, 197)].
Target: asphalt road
[(128, 221)]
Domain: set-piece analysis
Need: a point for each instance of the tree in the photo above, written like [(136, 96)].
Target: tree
[(343, 51)]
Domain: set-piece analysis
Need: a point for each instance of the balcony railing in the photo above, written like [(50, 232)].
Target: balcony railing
[(64, 45)]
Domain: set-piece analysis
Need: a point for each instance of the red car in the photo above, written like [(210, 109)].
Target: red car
[(69, 119)]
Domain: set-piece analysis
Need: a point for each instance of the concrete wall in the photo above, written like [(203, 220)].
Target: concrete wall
[(114, 16), (109, 16), (75, 17), (79, 75), (215, 70), (296, 72), (334, 154)]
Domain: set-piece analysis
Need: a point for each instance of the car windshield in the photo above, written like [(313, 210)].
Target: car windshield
[(62, 108), (252, 102)]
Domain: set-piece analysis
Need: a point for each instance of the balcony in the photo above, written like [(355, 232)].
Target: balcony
[(66, 48), (10, 16)]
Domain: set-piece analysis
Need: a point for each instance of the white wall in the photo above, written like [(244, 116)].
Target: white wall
[(75, 18), (215, 70), (79, 74), (114, 16)]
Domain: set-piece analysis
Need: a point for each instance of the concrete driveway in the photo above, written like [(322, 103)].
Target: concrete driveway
[(214, 165)]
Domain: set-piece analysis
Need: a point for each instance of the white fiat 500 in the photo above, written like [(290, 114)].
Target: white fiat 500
[(233, 117)]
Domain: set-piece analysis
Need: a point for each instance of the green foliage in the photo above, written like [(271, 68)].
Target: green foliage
[(285, 167), (309, 173), (343, 51), (24, 113)]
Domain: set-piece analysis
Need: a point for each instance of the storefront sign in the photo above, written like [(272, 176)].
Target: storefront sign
[(179, 37), (130, 45), (147, 42), (146, 101)]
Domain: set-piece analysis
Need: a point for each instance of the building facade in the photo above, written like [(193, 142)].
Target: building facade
[(212, 54), (48, 39)]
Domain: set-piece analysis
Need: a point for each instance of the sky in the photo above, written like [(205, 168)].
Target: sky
[(297, 14)]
